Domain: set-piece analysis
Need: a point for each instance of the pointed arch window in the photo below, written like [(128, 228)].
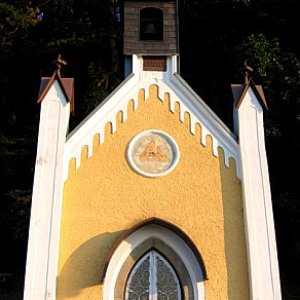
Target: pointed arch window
[(153, 278), (154, 262)]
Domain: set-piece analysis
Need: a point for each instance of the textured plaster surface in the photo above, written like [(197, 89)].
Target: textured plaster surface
[(105, 197)]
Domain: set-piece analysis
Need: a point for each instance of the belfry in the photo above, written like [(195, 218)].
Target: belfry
[(152, 196)]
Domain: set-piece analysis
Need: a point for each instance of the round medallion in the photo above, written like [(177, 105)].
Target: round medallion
[(153, 153)]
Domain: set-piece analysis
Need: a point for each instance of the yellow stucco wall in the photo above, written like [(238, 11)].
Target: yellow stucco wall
[(104, 197)]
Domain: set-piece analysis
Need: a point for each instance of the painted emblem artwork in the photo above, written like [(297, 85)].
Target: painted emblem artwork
[(153, 153)]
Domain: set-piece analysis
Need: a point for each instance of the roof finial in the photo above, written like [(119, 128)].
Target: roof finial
[(247, 71), (59, 63)]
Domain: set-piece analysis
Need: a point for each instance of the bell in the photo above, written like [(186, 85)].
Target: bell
[(150, 29)]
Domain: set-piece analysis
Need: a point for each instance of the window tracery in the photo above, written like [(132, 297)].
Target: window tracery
[(153, 278)]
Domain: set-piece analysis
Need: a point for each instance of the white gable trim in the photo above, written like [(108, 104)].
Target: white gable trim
[(168, 82)]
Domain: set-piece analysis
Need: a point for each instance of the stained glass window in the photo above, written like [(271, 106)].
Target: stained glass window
[(153, 278)]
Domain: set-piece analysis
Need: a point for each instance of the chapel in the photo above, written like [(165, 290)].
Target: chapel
[(151, 196)]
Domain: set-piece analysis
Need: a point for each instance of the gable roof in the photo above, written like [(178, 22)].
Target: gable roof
[(239, 91), (66, 85)]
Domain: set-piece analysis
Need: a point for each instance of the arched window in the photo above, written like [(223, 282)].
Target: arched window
[(153, 278), (151, 24), (151, 262)]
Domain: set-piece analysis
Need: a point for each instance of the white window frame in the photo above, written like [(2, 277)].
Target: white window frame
[(172, 240)]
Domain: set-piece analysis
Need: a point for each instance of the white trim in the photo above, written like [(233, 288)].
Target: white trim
[(42, 252), (260, 233), (169, 238), (169, 82)]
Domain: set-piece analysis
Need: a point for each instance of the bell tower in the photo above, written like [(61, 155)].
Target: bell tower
[(150, 31)]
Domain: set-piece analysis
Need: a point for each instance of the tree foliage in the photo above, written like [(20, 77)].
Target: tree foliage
[(216, 37), (16, 20)]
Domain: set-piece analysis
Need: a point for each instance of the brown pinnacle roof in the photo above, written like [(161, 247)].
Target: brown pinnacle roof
[(239, 91), (66, 85)]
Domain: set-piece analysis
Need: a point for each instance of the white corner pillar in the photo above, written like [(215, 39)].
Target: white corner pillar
[(42, 252), (259, 224)]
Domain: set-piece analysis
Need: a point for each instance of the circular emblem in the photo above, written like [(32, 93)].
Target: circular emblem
[(153, 153)]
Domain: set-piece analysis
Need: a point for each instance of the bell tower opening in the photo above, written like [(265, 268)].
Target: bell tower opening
[(151, 24), (150, 28)]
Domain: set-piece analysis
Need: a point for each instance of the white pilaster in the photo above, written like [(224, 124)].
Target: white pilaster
[(260, 234), (42, 252)]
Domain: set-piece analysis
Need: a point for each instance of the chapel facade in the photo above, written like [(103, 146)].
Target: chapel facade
[(152, 196)]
